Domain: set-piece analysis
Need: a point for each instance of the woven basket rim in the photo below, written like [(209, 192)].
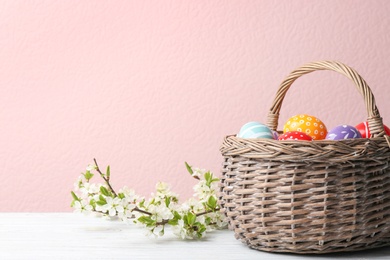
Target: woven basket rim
[(331, 151), (322, 141)]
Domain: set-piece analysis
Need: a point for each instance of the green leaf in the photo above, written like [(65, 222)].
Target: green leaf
[(108, 172), (142, 204), (208, 177), (74, 196), (92, 202), (189, 168), (121, 195), (167, 201), (191, 218), (146, 220), (212, 202), (102, 201), (104, 191), (176, 215), (185, 219), (88, 175), (201, 227), (173, 222)]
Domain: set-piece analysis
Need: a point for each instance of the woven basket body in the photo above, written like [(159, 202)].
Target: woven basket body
[(309, 196)]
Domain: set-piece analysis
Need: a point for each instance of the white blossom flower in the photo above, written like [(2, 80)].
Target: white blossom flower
[(79, 183), (179, 229), (202, 191), (113, 206), (149, 232), (160, 212), (192, 204), (128, 208), (82, 207), (90, 167), (162, 187), (197, 172), (159, 230), (89, 188), (154, 231), (163, 191), (129, 194)]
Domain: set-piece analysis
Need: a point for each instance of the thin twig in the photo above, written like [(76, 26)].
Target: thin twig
[(207, 211), (113, 191), (104, 178), (142, 211), (164, 221)]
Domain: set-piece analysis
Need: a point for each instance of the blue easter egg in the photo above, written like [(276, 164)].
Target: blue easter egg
[(343, 132), (255, 130)]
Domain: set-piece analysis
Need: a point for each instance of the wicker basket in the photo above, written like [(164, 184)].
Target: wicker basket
[(309, 196)]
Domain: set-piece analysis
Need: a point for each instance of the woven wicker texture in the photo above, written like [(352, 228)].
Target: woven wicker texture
[(309, 196)]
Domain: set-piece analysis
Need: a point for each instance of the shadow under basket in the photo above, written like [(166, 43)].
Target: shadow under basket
[(309, 197)]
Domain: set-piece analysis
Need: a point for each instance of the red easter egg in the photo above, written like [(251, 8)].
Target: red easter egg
[(295, 135), (365, 132)]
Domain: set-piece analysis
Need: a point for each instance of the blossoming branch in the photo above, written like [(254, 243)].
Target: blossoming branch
[(191, 219)]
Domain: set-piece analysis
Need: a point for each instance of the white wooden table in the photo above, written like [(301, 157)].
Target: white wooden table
[(75, 236)]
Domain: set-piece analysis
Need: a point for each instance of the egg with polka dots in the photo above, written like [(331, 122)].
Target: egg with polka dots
[(310, 125), (295, 135)]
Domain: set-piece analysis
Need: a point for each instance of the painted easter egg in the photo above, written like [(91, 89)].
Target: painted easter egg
[(255, 130), (295, 135), (307, 124), (365, 132), (343, 132), (275, 134)]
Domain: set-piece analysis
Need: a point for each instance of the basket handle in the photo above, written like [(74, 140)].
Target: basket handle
[(374, 119)]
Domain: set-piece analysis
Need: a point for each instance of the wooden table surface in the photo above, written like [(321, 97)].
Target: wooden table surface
[(75, 236)]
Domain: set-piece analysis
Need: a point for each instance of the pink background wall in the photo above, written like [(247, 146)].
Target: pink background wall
[(146, 85)]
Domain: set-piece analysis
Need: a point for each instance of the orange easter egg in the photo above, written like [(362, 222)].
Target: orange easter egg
[(307, 124)]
